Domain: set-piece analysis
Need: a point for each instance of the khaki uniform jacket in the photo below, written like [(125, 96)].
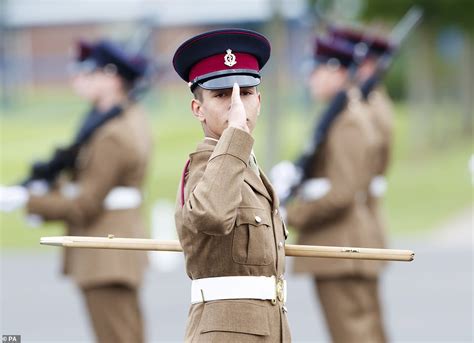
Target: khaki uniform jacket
[(382, 118), (228, 224), (117, 155), (341, 217)]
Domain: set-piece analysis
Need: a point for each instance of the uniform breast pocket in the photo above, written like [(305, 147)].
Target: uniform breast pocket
[(253, 237)]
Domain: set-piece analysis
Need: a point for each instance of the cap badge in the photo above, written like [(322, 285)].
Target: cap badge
[(229, 58)]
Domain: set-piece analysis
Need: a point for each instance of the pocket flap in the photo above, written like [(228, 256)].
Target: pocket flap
[(253, 216), (235, 316)]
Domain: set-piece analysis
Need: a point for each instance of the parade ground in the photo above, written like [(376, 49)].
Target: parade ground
[(427, 300)]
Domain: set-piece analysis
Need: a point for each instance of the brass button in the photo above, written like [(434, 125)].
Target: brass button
[(280, 245), (258, 219)]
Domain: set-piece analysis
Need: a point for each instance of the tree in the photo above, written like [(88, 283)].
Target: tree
[(437, 13)]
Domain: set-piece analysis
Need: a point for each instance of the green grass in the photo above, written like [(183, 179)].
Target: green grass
[(425, 190), (427, 185)]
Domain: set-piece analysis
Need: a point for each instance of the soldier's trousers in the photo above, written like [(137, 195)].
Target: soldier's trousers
[(351, 306), (115, 313)]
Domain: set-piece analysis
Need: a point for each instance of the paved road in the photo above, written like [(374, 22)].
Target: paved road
[(428, 300)]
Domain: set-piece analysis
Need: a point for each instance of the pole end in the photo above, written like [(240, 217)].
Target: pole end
[(54, 241)]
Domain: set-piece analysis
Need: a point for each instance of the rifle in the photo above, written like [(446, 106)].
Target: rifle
[(112, 242), (304, 163), (48, 171), (64, 159)]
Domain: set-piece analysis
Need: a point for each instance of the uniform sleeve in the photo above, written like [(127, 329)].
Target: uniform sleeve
[(215, 187), (386, 109), (344, 164), (101, 174)]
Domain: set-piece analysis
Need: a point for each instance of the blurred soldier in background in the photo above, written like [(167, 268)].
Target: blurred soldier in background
[(331, 207), (381, 112), (105, 169)]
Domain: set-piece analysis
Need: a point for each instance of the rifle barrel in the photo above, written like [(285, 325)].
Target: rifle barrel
[(409, 21)]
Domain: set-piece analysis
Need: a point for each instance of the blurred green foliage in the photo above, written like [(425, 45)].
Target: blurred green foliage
[(436, 13)]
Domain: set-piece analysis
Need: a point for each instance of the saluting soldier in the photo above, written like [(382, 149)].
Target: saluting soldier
[(227, 213), (105, 167), (381, 112), (331, 207)]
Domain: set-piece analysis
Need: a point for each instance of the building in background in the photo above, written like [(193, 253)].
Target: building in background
[(37, 36)]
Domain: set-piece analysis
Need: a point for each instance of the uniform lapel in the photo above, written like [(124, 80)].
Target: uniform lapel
[(256, 182), (269, 187)]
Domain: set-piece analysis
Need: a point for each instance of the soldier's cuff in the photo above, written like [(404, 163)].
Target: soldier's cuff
[(235, 142)]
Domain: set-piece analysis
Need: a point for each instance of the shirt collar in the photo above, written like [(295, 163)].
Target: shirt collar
[(211, 139)]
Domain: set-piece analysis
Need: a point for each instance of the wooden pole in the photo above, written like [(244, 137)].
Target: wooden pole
[(112, 242)]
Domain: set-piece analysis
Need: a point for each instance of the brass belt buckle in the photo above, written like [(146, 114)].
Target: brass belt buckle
[(280, 290)]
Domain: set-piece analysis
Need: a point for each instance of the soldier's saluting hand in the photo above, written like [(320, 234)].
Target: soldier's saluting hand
[(237, 116)]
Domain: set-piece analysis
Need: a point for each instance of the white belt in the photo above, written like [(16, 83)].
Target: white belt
[(123, 198), (238, 287), (119, 198)]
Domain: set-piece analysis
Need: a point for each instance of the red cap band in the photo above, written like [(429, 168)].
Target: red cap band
[(217, 63)]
